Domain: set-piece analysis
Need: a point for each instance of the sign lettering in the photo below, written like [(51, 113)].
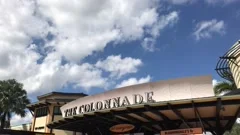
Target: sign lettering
[(110, 103), (189, 131)]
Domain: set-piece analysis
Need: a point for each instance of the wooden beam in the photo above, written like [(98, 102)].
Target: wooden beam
[(136, 121), (218, 109), (107, 117), (167, 124), (231, 122), (161, 115), (213, 132), (179, 115), (198, 115), (141, 114)]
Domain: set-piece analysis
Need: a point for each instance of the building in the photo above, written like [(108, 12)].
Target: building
[(47, 110), (180, 106), (22, 127), (228, 67), (185, 105)]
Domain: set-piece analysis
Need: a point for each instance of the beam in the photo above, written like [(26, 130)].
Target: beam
[(106, 117), (207, 123), (218, 124), (167, 124), (231, 122), (161, 115), (198, 115), (31, 113), (135, 121), (179, 115), (141, 114), (213, 132)]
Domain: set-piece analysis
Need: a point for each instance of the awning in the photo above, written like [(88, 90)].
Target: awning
[(47, 102), (213, 114)]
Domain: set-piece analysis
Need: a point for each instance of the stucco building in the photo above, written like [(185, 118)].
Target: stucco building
[(47, 110)]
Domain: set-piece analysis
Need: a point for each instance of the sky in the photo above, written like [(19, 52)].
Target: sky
[(97, 45)]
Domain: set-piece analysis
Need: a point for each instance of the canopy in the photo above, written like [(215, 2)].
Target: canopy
[(213, 114)]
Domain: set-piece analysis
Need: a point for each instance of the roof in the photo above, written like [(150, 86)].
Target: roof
[(47, 102), (214, 114), (61, 93)]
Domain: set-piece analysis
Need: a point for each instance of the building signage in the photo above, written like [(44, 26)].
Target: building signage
[(189, 131), (186, 88), (122, 128), (110, 103)]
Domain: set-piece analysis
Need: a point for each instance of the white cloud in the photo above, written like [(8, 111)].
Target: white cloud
[(179, 2), (149, 44), (84, 27), (211, 2), (220, 1), (215, 82), (79, 29), (206, 29), (167, 20), (18, 120), (133, 81), (118, 66), (163, 22)]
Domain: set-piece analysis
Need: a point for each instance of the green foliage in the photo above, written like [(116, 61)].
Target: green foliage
[(235, 130), (224, 87), (13, 99)]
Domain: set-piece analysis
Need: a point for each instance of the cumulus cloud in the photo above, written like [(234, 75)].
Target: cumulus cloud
[(206, 29), (215, 82), (44, 42), (18, 120), (220, 1), (149, 44), (164, 21), (211, 2), (118, 66), (179, 2), (84, 27), (133, 81)]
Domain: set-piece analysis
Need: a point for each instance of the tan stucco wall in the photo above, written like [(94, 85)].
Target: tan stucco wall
[(43, 121), (183, 88), (40, 122), (235, 68)]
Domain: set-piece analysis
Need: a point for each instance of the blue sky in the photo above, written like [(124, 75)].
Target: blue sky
[(94, 46), (178, 53)]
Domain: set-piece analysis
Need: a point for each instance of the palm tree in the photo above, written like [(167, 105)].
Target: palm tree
[(224, 87), (13, 99)]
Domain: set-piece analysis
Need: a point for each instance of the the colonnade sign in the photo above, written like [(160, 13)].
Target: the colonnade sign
[(186, 88), (188, 131)]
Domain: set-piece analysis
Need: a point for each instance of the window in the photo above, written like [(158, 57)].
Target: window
[(42, 111), (56, 110)]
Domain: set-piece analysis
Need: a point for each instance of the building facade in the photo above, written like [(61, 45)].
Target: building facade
[(228, 67), (185, 105), (22, 127), (47, 110)]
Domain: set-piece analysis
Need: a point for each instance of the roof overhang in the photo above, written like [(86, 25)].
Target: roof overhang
[(32, 106), (214, 114), (48, 102)]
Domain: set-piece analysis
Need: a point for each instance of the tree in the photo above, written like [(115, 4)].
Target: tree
[(224, 87), (235, 130), (13, 99)]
